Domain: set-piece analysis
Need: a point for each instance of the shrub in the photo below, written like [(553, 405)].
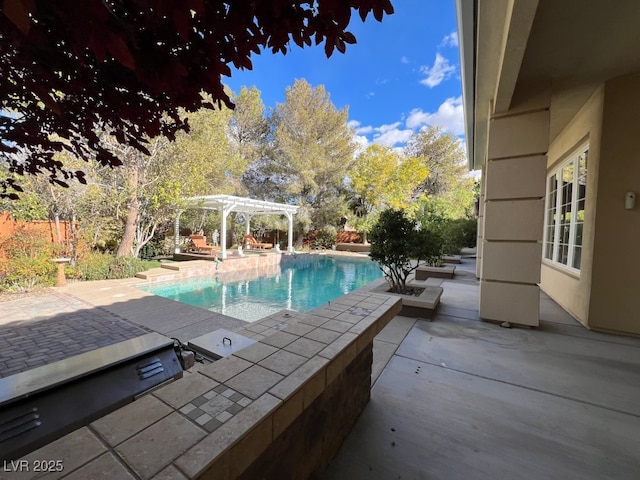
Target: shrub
[(325, 237), (458, 233), (94, 266), (102, 266), (148, 251), (28, 262), (399, 247)]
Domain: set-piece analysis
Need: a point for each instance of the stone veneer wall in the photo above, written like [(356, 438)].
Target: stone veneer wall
[(307, 446)]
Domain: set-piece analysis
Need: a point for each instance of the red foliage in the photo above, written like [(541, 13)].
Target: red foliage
[(69, 67), (348, 237)]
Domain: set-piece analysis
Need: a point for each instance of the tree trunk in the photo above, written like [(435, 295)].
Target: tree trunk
[(56, 219), (125, 249), (364, 237), (73, 239)]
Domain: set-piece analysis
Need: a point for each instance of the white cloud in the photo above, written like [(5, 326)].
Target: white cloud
[(387, 128), (450, 116), (404, 59), (359, 129), (391, 134), (361, 142), (438, 73), (450, 40), (393, 137)]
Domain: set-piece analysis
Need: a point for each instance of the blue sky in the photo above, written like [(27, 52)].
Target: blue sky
[(403, 73)]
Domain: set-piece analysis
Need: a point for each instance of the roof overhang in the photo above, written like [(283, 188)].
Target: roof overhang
[(493, 38), (466, 20), (530, 54)]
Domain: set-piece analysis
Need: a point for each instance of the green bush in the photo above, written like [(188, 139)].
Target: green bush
[(325, 237), (28, 262), (94, 266), (399, 247), (148, 251), (102, 266), (458, 233)]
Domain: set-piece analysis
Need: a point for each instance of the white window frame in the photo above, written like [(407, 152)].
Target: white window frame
[(557, 209)]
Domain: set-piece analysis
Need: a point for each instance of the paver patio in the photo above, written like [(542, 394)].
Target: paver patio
[(47, 327)]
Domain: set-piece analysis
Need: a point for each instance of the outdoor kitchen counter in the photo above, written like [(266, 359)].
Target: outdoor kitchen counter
[(280, 407)]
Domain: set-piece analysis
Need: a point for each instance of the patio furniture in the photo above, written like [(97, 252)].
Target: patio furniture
[(201, 245), (253, 243)]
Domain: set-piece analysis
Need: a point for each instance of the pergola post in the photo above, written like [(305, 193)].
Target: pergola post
[(176, 235), (289, 232), (223, 229), (249, 207), (247, 230)]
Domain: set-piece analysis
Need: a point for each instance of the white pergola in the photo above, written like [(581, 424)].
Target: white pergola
[(247, 206)]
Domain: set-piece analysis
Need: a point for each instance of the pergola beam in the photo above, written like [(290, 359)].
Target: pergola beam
[(247, 206)]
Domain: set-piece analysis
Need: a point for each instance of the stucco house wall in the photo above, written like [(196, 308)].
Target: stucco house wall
[(615, 292), (605, 295), (573, 291)]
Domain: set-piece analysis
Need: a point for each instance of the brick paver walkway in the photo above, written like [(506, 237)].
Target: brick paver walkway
[(51, 326)]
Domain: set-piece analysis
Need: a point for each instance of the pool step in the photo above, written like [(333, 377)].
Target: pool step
[(182, 266), (173, 271), (156, 274)]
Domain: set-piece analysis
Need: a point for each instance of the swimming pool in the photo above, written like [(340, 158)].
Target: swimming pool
[(301, 286)]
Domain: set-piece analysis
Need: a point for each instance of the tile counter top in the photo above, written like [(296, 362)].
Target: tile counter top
[(220, 418)]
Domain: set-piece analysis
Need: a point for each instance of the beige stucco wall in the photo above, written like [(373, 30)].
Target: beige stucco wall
[(615, 296), (571, 291), (513, 216)]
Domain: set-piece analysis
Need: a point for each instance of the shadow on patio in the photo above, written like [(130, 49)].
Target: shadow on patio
[(462, 398)]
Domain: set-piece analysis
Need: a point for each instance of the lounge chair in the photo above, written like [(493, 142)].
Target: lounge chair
[(200, 244), (253, 243)]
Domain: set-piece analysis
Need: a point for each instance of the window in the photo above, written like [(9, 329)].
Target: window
[(564, 212)]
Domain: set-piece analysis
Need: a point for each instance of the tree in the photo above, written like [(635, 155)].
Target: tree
[(248, 128), (74, 68), (399, 247), (382, 178), (28, 207), (197, 163), (449, 181), (313, 150), (203, 160)]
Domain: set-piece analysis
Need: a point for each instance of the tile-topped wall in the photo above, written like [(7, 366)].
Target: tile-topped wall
[(299, 389)]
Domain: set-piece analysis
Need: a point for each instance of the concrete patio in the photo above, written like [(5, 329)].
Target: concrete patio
[(462, 398)]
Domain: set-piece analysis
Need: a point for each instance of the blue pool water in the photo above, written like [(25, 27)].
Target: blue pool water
[(301, 286)]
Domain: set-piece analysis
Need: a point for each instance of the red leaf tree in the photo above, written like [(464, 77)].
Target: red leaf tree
[(69, 68)]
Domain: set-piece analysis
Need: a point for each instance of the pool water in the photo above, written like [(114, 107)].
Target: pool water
[(301, 286)]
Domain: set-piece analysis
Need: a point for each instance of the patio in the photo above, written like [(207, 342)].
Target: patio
[(462, 398)]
